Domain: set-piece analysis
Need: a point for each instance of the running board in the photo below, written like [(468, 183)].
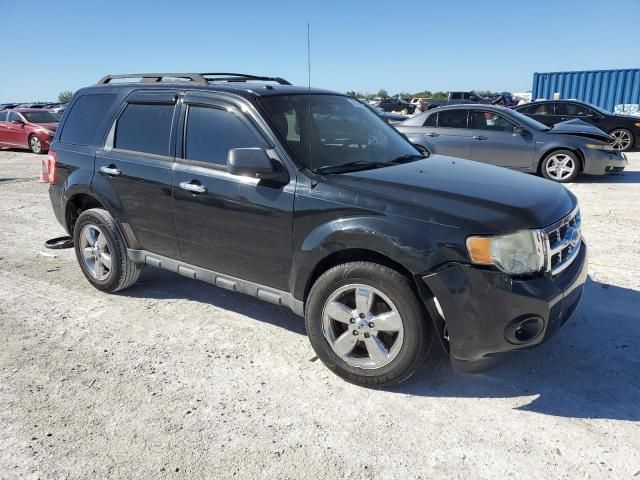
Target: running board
[(268, 294)]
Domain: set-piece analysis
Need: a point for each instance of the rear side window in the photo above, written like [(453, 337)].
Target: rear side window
[(452, 119), (145, 128), (84, 117), (3, 116), (431, 120), (212, 132)]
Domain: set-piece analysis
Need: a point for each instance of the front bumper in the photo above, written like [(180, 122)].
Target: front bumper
[(479, 305), (597, 162)]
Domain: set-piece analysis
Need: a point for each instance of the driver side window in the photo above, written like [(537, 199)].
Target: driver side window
[(13, 116), (491, 121)]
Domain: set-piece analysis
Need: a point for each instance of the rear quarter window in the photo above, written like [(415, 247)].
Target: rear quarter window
[(84, 117)]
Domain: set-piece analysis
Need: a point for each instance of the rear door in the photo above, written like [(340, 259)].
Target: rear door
[(451, 136), (495, 141), (135, 166), (230, 224)]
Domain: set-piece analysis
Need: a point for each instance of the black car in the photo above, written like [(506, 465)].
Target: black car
[(307, 199), (624, 129), (395, 105)]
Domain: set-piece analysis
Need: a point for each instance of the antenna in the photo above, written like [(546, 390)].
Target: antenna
[(309, 95)]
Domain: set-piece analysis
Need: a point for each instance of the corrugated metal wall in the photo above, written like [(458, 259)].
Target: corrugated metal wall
[(604, 88)]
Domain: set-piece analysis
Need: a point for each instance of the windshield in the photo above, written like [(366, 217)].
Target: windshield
[(341, 132), (39, 117)]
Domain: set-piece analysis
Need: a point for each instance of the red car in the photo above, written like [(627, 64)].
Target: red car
[(27, 128)]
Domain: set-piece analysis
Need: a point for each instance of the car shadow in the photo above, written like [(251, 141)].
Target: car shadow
[(623, 177), (590, 369), (162, 284)]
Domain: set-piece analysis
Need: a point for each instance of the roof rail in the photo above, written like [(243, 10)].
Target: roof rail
[(155, 77), (242, 77), (201, 78)]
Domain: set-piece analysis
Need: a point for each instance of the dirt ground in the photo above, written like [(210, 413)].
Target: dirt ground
[(179, 379)]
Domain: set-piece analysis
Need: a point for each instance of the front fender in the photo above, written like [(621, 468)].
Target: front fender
[(400, 240)]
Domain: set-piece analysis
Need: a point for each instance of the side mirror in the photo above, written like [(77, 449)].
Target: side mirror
[(520, 131), (256, 163)]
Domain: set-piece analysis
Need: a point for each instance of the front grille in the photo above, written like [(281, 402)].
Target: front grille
[(563, 242)]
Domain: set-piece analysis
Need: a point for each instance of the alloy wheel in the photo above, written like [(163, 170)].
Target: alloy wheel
[(621, 139), (362, 326), (96, 255), (560, 166), (35, 145)]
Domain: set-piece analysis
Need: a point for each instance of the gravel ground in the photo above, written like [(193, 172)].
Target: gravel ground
[(179, 379)]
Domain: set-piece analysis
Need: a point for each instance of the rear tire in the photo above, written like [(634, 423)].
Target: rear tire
[(375, 348), (102, 252), (560, 166)]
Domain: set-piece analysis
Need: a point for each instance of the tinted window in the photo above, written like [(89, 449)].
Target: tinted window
[(541, 109), (572, 109), (452, 119), (42, 116), (485, 120), (13, 116), (3, 116), (431, 120), (145, 128), (84, 117), (211, 133)]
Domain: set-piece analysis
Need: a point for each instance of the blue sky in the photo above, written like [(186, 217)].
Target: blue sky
[(355, 45)]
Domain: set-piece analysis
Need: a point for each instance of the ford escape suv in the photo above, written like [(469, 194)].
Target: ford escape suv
[(307, 199)]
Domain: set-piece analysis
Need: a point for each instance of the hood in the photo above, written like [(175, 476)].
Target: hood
[(580, 128), (53, 126), (460, 193)]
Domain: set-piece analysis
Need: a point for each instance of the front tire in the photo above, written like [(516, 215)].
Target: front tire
[(366, 324), (622, 139), (102, 253), (560, 166), (35, 145)]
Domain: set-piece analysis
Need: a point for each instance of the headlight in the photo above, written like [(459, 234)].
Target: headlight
[(600, 146), (48, 132), (517, 253)]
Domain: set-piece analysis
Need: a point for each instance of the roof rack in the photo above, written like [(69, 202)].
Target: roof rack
[(200, 78), (242, 77)]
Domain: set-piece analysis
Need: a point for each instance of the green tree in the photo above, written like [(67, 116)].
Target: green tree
[(382, 93), (65, 97)]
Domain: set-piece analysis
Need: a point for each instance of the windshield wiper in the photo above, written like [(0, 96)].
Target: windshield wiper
[(352, 166), (407, 158)]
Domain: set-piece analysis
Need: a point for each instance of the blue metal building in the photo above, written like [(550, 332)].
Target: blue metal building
[(605, 88)]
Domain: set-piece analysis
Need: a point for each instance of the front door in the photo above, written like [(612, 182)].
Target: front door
[(16, 133), (230, 224), (135, 168), (496, 142)]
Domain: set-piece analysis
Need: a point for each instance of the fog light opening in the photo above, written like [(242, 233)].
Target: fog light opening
[(523, 330)]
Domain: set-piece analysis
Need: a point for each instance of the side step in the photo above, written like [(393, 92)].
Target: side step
[(268, 294)]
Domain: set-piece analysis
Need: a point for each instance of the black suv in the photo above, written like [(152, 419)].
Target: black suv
[(624, 129), (308, 199)]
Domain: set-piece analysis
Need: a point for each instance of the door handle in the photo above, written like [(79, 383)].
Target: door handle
[(193, 187), (479, 137), (110, 170), (432, 134)]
